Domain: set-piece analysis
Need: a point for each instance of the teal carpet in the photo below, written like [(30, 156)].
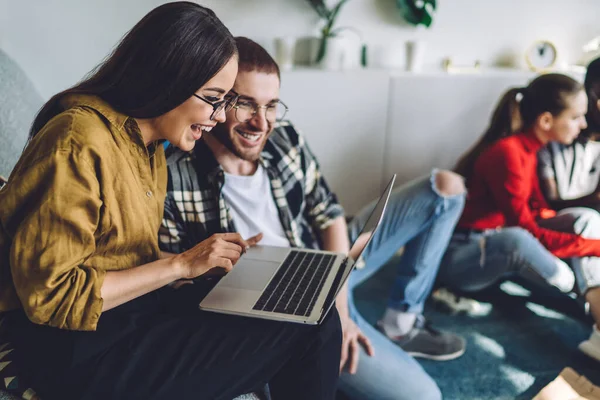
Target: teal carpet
[(517, 343)]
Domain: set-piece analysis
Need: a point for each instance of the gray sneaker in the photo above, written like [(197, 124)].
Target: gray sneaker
[(423, 341)]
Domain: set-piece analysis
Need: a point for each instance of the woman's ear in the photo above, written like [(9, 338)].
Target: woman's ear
[(598, 104), (545, 121)]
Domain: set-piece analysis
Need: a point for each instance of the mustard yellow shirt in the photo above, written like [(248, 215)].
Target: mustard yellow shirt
[(85, 198)]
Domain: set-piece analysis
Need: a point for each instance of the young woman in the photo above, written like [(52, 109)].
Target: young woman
[(507, 229), (91, 312), (570, 174)]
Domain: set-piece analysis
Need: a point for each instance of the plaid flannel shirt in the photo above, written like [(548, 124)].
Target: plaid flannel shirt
[(195, 208)]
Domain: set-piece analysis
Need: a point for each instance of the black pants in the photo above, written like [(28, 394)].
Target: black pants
[(160, 346)]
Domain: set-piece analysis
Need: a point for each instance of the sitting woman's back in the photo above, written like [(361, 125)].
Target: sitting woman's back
[(501, 169), (507, 229)]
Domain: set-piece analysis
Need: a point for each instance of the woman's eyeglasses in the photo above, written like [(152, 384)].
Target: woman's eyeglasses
[(223, 105)]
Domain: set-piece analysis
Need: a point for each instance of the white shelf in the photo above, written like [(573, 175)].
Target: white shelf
[(576, 71)]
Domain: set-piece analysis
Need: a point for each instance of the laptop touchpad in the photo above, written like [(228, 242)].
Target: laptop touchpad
[(250, 274)]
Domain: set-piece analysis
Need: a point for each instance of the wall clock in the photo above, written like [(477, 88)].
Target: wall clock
[(541, 56)]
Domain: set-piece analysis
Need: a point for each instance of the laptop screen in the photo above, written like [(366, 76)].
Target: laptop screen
[(370, 226), (372, 222)]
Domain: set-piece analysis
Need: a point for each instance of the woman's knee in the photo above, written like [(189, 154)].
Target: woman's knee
[(449, 183), (536, 263), (515, 239)]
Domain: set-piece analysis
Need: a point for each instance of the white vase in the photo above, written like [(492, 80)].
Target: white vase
[(285, 48), (352, 54), (335, 51), (390, 55), (415, 54)]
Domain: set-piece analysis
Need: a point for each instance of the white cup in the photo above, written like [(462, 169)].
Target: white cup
[(415, 53), (285, 48)]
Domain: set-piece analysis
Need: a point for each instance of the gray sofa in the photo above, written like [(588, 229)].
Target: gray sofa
[(18, 105)]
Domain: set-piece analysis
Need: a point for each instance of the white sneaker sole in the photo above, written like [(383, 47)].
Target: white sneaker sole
[(442, 357)]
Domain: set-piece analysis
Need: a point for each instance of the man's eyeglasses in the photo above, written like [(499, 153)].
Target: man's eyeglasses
[(218, 106), (246, 110)]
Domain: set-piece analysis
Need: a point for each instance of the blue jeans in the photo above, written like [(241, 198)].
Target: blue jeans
[(475, 261), (419, 218), (478, 260)]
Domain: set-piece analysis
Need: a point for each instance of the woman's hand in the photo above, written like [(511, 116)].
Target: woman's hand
[(221, 250)]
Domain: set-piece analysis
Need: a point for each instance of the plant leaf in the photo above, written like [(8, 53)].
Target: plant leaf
[(427, 19), (417, 15), (335, 11), (408, 11), (320, 7), (322, 49)]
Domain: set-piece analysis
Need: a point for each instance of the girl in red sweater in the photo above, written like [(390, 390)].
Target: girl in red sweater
[(507, 229)]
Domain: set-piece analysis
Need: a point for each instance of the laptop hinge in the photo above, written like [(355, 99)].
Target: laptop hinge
[(338, 282)]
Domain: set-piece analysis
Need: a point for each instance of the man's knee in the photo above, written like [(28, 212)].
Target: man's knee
[(430, 390), (449, 183)]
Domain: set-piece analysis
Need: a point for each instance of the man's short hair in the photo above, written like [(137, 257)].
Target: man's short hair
[(253, 57)]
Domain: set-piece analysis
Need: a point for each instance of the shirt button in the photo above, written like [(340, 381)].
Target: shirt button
[(149, 193)]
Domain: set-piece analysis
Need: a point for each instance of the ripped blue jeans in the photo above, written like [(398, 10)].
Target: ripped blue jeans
[(422, 220), (477, 260)]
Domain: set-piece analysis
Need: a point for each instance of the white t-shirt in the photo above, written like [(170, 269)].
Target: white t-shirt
[(576, 168), (253, 209)]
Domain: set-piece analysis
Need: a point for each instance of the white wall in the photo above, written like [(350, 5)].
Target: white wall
[(369, 124), (346, 128), (58, 41)]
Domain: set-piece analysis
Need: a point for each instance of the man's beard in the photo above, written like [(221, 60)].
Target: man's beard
[(222, 135)]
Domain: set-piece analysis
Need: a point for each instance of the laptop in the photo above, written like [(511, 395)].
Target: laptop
[(289, 284)]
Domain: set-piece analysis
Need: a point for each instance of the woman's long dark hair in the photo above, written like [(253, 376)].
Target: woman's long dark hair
[(592, 88), (518, 110), (168, 55)]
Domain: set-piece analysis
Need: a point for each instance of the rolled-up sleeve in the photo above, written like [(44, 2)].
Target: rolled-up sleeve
[(322, 205), (60, 207)]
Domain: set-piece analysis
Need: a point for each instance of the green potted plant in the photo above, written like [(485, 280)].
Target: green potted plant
[(328, 15), (417, 12)]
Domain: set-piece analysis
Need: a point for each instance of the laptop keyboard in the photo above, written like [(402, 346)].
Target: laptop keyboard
[(296, 285)]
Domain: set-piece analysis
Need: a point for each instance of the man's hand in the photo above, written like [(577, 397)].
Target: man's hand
[(253, 241), (353, 338)]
